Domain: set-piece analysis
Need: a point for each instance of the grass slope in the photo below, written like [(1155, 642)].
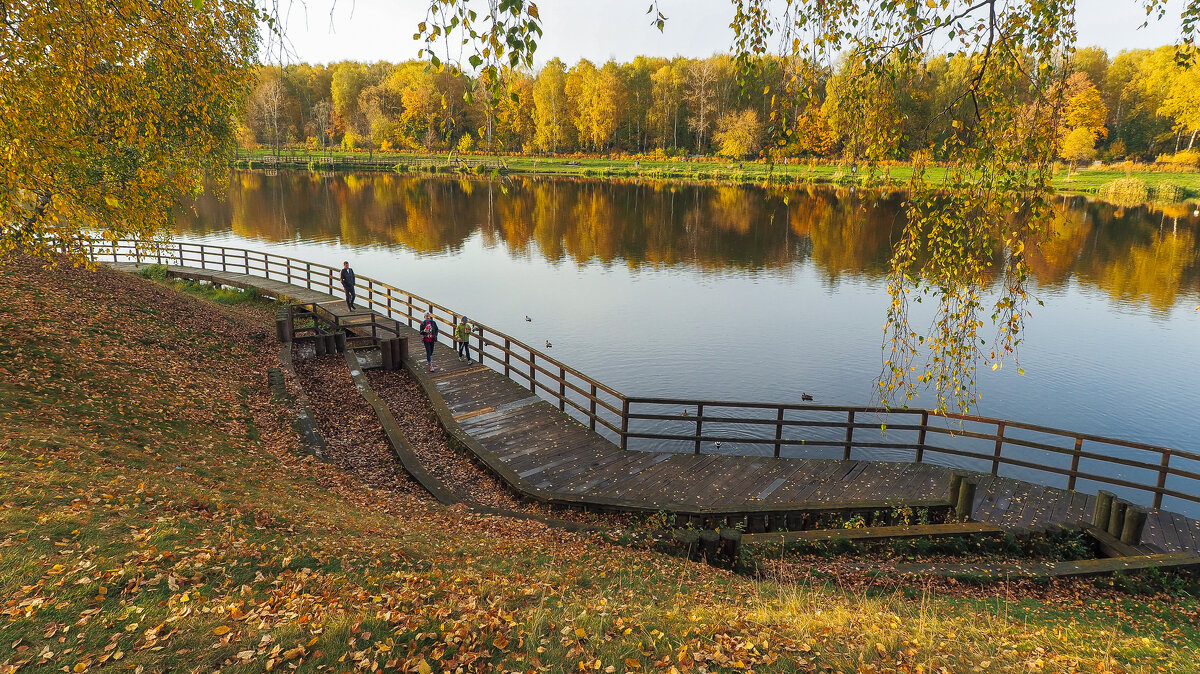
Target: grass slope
[(156, 516)]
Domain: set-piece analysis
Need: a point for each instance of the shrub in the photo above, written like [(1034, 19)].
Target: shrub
[(1126, 191), (1188, 158)]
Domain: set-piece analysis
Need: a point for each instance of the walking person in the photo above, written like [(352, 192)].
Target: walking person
[(348, 284), (429, 334), (462, 335)]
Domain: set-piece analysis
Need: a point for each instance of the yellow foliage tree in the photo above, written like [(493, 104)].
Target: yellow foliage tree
[(739, 134), (110, 110)]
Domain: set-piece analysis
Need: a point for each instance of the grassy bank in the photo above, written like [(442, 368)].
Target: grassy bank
[(157, 515), (1168, 185)]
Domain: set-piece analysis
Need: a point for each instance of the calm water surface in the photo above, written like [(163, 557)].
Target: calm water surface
[(739, 293)]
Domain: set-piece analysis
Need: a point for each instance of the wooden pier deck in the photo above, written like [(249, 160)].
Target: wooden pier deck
[(543, 452)]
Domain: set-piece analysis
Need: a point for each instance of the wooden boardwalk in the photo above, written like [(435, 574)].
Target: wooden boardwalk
[(543, 452)]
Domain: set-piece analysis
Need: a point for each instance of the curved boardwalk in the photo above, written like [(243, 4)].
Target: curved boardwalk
[(545, 453)]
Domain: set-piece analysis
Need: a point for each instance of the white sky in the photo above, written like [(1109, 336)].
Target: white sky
[(326, 31)]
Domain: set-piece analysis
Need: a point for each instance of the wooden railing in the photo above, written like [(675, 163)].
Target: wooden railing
[(1142, 472)]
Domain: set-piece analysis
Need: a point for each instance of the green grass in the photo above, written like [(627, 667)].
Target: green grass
[(157, 513)]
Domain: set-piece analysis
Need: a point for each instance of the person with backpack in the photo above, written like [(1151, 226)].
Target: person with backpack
[(348, 284), (462, 336), (429, 335)]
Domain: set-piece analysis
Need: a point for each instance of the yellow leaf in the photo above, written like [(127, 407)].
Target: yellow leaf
[(424, 668), (80, 667), (311, 643), (580, 632), (223, 629), (631, 663)]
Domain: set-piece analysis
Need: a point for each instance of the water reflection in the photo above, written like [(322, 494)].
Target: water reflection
[(1145, 256)]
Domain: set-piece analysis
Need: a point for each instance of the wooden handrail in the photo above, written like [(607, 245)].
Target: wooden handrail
[(543, 373)]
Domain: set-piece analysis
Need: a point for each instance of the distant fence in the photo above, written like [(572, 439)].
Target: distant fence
[(1140, 472)]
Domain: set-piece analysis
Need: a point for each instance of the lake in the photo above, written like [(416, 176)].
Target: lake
[(745, 293)]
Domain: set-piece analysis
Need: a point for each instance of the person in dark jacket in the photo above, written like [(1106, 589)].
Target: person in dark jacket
[(348, 284), (429, 335)]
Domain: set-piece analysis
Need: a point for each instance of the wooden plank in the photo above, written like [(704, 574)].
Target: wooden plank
[(738, 488), (585, 459), (799, 491), (1110, 545), (681, 486), (1183, 529), (1169, 531), (604, 476), (801, 482), (785, 469), (1153, 533), (874, 533), (1193, 528), (1086, 567)]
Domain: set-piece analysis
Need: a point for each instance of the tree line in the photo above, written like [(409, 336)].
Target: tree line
[(1140, 105)]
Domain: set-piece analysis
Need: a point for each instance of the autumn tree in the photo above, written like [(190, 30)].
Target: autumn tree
[(667, 85), (550, 115), (110, 110), (739, 134), (595, 96), (701, 97), (1079, 145)]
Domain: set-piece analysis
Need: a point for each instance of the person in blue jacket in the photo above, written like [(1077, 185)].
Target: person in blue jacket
[(348, 284), (429, 335)]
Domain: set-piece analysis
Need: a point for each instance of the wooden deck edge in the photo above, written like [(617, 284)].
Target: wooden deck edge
[(518, 485), (871, 533), (412, 463), (305, 422), (399, 444), (1046, 570)]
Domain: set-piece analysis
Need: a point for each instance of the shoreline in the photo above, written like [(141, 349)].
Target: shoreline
[(1163, 186)]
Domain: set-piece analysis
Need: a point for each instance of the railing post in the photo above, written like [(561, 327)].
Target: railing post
[(179, 246), (999, 448), (114, 249), (1075, 464), (849, 435), (410, 305), (308, 274), (562, 390), (507, 353), (1162, 479), (624, 423), (699, 425), (223, 266), (532, 371), (289, 269), (921, 435), (202, 256), (778, 432), (592, 410), (246, 261)]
